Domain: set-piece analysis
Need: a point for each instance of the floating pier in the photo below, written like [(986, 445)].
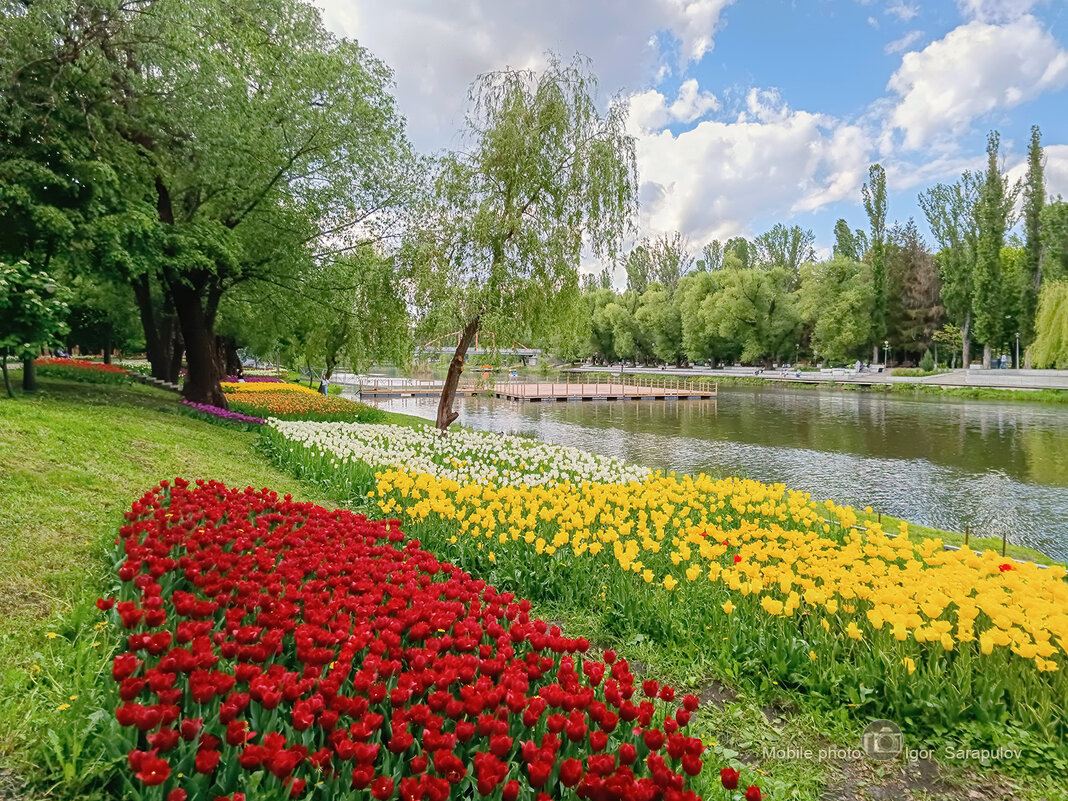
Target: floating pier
[(617, 389)]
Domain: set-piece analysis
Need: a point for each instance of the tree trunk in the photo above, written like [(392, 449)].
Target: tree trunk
[(107, 345), (29, 375), (172, 365), (966, 342), (986, 357), (446, 415), (875, 353), (202, 381), (7, 378)]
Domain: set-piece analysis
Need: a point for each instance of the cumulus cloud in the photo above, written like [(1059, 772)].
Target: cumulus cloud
[(711, 181), (975, 69), (904, 43), (437, 49), (650, 111)]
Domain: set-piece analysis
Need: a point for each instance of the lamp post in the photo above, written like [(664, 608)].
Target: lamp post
[(1017, 365), (886, 353)]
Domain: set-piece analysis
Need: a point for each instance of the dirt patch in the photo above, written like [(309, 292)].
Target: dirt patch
[(11, 788), (717, 693), (779, 711), (865, 780)]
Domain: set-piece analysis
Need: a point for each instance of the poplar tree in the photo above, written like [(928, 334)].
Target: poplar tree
[(993, 213), (1034, 201), (874, 194)]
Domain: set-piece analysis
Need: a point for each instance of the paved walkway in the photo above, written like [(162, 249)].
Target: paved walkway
[(996, 379)]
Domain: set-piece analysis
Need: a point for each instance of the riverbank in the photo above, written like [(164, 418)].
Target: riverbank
[(73, 457), (937, 386)]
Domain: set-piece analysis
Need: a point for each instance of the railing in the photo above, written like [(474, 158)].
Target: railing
[(570, 385)]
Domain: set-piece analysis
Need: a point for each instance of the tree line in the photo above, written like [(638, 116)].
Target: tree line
[(192, 176), (882, 292)]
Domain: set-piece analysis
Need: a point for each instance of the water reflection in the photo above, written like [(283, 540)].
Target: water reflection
[(997, 467)]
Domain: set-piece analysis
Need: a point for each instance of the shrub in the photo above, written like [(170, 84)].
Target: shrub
[(927, 361)]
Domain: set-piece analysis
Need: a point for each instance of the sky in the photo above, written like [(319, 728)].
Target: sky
[(751, 112)]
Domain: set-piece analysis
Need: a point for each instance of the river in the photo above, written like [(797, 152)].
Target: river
[(1000, 468)]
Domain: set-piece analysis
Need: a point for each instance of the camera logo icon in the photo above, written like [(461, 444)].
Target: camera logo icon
[(882, 740)]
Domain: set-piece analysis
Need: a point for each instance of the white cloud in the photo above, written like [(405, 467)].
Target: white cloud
[(975, 69), (649, 110), (904, 43), (995, 10), (437, 49), (713, 180), (903, 11)]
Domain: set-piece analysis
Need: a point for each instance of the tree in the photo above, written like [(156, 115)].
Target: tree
[(845, 244), (914, 310), (699, 339), (737, 253), (348, 311), (993, 212), (241, 136), (950, 212), (874, 194), (1055, 240), (784, 247), (1034, 199), (711, 258), (544, 176), (33, 313), (754, 308), (835, 300), (660, 323), (1050, 348)]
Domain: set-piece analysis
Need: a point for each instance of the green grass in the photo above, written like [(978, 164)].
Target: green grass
[(73, 458)]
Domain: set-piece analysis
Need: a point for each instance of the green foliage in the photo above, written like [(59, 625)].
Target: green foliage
[(993, 212), (347, 311), (927, 361), (33, 310), (544, 174), (836, 301), (755, 308), (1034, 199), (1050, 348), (874, 195), (914, 311), (1055, 241), (660, 317), (786, 247)]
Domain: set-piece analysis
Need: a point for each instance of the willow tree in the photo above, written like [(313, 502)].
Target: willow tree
[(239, 138), (545, 174)]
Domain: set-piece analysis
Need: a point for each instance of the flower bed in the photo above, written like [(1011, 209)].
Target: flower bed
[(81, 370), (281, 650), (224, 415), (863, 618), (463, 456), (293, 402), (253, 379)]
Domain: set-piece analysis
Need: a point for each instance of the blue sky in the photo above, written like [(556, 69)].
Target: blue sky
[(751, 112)]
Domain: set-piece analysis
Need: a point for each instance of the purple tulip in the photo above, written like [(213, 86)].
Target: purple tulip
[(223, 414)]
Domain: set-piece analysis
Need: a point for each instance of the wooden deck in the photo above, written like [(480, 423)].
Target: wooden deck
[(630, 388)]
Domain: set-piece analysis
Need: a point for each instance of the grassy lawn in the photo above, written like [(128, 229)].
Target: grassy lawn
[(74, 456), (72, 460)]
